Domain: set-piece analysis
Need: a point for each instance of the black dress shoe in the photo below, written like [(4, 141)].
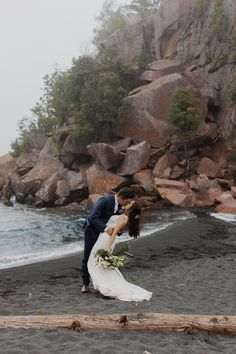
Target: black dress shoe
[(85, 289)]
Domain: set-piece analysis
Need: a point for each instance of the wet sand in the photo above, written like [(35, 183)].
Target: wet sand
[(190, 267)]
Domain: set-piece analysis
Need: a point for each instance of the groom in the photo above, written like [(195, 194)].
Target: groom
[(95, 223)]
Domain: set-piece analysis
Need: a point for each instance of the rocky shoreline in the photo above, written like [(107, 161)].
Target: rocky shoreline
[(41, 179)]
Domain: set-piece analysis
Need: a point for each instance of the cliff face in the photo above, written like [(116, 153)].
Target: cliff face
[(145, 34), (200, 33)]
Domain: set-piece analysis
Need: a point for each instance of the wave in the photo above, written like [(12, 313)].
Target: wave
[(225, 217), (55, 237), (63, 251), (36, 257)]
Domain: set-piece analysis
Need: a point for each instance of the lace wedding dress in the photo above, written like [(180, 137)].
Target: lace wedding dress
[(110, 282)]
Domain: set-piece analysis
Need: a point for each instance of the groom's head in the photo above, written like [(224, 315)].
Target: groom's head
[(125, 196)]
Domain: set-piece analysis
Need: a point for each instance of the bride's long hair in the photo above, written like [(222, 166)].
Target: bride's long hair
[(134, 214)]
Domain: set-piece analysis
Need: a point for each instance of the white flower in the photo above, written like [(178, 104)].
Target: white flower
[(108, 260)]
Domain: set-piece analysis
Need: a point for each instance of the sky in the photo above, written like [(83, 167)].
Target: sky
[(36, 36)]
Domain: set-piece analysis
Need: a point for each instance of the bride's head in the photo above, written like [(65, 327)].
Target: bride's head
[(133, 211)]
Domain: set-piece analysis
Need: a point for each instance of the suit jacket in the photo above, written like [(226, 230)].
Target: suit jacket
[(101, 213)]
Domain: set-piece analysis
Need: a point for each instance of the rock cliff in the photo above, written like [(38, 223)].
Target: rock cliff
[(201, 34), (192, 44)]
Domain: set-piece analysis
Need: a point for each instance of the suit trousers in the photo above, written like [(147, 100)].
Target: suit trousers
[(90, 238)]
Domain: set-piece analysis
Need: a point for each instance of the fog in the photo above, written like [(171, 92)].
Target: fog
[(35, 37)]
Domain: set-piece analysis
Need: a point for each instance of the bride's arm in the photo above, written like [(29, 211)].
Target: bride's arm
[(121, 223)]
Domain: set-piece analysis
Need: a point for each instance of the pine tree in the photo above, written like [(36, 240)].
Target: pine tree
[(185, 115)]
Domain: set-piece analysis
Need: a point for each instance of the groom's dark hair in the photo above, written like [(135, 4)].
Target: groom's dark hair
[(126, 193)]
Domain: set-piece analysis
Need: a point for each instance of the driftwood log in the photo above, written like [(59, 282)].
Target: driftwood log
[(155, 322)]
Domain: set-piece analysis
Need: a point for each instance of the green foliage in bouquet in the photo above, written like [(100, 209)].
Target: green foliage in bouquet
[(110, 260)]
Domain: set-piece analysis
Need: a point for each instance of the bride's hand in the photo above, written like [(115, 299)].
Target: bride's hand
[(110, 231)]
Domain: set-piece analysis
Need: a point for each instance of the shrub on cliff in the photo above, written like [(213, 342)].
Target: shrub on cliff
[(185, 115), (100, 97)]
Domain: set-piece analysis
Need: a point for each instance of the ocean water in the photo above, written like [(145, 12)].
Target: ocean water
[(33, 235), (226, 217)]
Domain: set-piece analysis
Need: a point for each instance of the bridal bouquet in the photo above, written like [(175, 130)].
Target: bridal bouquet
[(111, 260)]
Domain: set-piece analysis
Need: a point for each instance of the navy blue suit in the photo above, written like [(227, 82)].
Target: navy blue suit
[(94, 225)]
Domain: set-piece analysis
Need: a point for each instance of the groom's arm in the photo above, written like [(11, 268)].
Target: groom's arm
[(96, 215)]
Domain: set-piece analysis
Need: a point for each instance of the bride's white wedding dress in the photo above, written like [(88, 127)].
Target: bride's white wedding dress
[(110, 282)]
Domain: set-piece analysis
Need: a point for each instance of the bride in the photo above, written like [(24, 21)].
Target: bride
[(110, 282)]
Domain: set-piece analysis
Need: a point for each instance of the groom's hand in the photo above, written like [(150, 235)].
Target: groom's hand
[(110, 231)]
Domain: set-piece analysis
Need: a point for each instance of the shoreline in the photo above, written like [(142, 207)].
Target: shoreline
[(77, 253), (189, 266)]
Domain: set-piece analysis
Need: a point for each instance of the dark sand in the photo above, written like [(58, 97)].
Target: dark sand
[(190, 267)]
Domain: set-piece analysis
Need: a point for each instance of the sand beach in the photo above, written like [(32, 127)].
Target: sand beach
[(190, 267)]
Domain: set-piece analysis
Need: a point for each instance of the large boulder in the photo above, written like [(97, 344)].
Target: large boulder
[(227, 207), (33, 180), (77, 184), (70, 152), (62, 191), (205, 191), (75, 180), (14, 181), (213, 193), (26, 162), (177, 172), (166, 183), (175, 192), (101, 181), (207, 199), (163, 166), (160, 68), (7, 165), (177, 197), (6, 192), (122, 144), (107, 155), (64, 187), (224, 197), (145, 179), (202, 183), (136, 159), (71, 145), (83, 169), (208, 167), (155, 155), (128, 41), (46, 192), (149, 112), (50, 149)]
